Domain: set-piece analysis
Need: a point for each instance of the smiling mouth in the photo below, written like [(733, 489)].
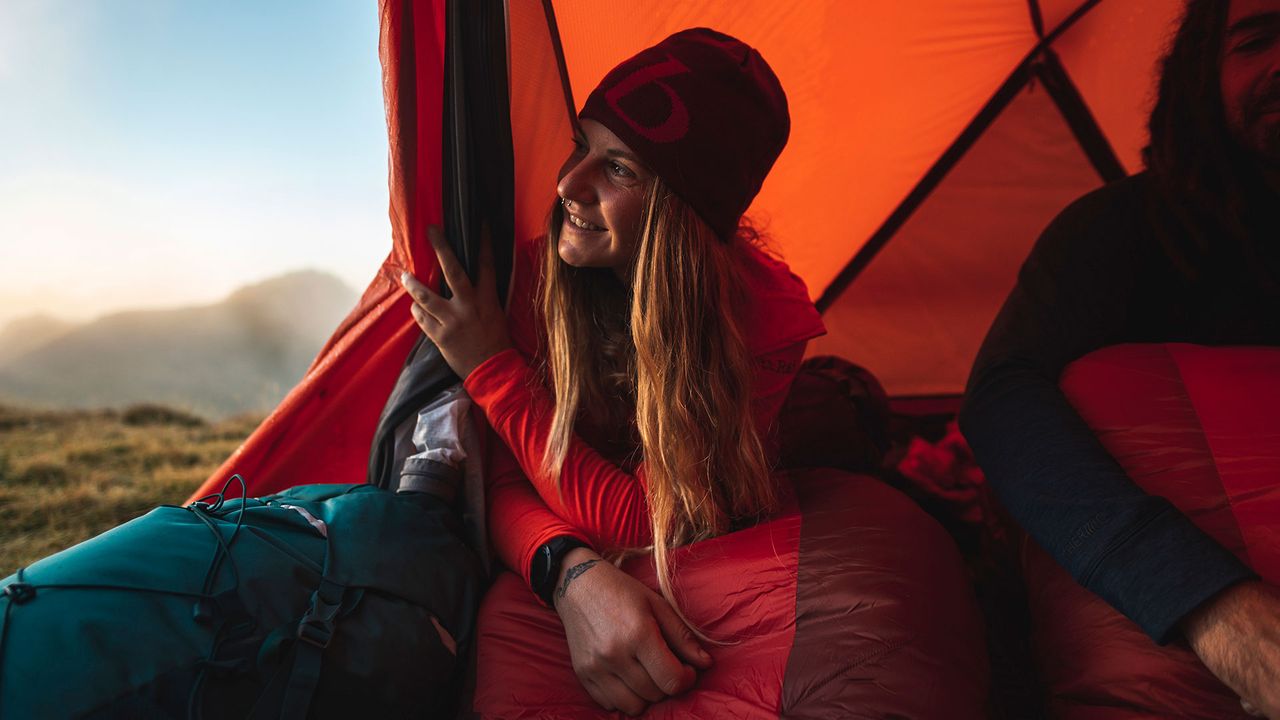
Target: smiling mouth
[(580, 223)]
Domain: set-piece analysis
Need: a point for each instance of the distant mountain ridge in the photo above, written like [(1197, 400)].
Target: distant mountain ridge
[(25, 334), (242, 354)]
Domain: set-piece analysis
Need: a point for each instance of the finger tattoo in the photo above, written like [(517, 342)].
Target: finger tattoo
[(572, 574)]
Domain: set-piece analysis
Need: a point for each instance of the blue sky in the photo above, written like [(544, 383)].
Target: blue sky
[(165, 152)]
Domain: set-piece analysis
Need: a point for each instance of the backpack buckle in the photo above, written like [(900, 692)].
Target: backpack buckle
[(20, 592), (316, 626)]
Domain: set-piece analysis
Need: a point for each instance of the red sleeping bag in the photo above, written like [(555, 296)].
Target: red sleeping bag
[(851, 603), (1198, 426)]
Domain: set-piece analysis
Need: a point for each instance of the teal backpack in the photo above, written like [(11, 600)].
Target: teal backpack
[(321, 601)]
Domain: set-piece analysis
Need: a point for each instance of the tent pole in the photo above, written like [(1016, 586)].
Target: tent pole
[(1020, 76), (1084, 126), (553, 30)]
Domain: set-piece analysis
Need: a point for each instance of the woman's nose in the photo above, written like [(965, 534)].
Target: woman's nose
[(575, 183)]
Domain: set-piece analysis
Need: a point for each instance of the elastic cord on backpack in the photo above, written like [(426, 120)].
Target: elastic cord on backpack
[(200, 510), (221, 495)]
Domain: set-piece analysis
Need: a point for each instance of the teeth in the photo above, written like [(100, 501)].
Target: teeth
[(582, 223)]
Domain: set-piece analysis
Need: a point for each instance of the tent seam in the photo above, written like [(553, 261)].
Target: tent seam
[(949, 158)]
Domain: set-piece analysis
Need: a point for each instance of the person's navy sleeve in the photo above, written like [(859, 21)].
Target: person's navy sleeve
[(1076, 293)]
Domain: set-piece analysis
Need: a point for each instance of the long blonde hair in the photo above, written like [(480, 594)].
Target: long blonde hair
[(670, 351)]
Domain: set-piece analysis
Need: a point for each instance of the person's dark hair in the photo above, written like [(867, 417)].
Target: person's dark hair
[(1207, 185)]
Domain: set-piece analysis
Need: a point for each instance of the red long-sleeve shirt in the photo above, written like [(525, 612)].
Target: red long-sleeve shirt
[(598, 501)]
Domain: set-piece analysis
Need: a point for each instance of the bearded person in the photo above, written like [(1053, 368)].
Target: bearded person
[(1187, 251)]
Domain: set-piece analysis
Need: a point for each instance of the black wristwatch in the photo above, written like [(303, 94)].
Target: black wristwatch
[(545, 568)]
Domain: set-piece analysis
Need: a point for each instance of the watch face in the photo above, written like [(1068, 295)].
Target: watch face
[(546, 564), (541, 567)]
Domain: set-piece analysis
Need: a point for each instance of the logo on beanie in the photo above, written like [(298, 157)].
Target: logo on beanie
[(676, 125)]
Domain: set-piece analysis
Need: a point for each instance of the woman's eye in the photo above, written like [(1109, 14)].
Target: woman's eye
[(620, 170)]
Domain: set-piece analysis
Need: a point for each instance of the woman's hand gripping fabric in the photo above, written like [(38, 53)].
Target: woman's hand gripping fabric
[(469, 327), (629, 648)]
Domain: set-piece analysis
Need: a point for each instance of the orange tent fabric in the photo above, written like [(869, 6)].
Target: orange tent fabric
[(927, 148), (931, 142)]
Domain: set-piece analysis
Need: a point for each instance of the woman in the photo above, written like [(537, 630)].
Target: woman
[(649, 346)]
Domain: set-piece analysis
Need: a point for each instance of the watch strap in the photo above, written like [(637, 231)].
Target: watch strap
[(547, 560)]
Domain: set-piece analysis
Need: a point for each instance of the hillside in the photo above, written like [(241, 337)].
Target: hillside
[(239, 355), (23, 335), (66, 476)]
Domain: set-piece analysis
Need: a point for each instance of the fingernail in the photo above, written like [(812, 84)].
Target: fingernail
[(404, 278)]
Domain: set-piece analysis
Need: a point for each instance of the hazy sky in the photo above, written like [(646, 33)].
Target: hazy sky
[(165, 152)]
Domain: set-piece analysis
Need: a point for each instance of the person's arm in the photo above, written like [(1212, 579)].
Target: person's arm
[(598, 503), (1237, 636), (628, 646), (519, 520), (1073, 295), (595, 496)]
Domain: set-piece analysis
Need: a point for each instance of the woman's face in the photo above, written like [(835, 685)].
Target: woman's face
[(602, 188)]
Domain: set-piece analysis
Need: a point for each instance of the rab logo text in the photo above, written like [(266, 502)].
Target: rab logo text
[(677, 123)]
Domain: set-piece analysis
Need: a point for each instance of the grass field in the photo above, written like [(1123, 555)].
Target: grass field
[(66, 476)]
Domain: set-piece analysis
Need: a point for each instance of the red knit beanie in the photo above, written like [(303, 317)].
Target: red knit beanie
[(704, 111)]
